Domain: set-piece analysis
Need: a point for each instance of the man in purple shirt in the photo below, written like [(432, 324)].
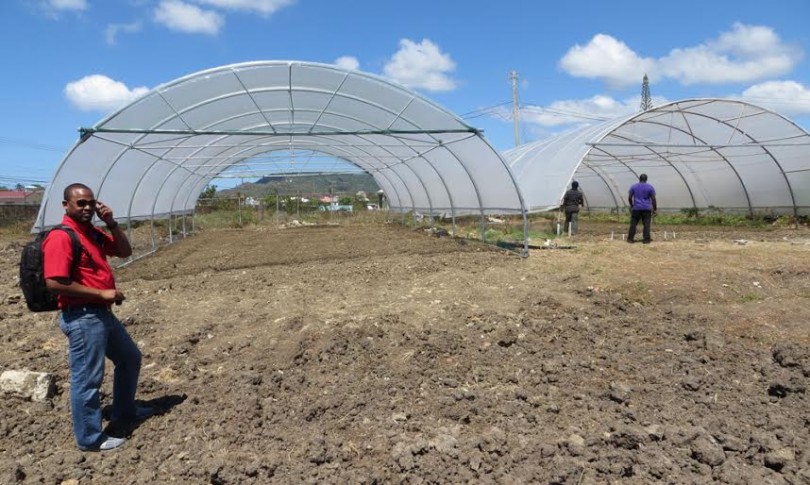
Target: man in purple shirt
[(642, 206)]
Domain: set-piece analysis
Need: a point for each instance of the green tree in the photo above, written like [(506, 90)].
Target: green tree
[(270, 202), (209, 192)]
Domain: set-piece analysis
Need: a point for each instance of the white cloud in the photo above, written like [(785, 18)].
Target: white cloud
[(348, 63), (263, 7), (749, 41), (606, 58), (421, 65), (97, 92), (53, 8), (572, 111), (784, 97), (111, 33), (65, 4), (744, 54), (583, 111), (184, 17)]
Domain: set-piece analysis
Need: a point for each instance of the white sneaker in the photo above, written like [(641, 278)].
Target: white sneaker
[(111, 443)]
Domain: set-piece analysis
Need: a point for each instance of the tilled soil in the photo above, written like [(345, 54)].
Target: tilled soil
[(381, 354)]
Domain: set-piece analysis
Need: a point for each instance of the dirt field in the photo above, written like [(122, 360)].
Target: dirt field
[(381, 354)]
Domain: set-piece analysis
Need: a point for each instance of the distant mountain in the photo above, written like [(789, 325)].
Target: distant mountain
[(306, 185)]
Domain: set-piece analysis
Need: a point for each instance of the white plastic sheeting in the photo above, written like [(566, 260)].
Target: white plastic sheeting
[(699, 154), (152, 158)]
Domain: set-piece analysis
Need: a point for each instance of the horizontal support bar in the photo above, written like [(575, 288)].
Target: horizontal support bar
[(87, 132), (699, 145)]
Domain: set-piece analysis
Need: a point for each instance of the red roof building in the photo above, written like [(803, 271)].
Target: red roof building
[(20, 197)]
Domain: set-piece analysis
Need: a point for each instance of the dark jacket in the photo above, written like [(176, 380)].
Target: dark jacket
[(572, 199)]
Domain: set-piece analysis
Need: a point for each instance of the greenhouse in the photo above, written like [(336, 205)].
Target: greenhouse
[(151, 159), (700, 154)]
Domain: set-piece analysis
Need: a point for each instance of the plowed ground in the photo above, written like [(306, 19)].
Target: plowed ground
[(381, 354)]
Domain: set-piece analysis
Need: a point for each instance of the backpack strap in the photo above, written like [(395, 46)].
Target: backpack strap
[(78, 249)]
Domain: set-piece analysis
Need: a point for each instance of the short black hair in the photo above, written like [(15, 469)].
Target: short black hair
[(574, 184), (70, 188), (642, 177)]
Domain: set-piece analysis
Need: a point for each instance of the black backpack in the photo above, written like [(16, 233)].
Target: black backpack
[(32, 271)]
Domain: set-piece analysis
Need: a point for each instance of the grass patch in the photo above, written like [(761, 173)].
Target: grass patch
[(709, 218), (16, 230), (637, 292)]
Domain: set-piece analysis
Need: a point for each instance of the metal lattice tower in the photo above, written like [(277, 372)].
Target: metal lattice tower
[(513, 76), (646, 99)]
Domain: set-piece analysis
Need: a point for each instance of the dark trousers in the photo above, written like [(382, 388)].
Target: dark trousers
[(645, 216), (571, 222)]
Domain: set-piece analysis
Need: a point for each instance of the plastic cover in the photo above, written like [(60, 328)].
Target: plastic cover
[(699, 154), (154, 157)]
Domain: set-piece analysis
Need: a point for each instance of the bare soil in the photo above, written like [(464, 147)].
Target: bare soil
[(382, 354)]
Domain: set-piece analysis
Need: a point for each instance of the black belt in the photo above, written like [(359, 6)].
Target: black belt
[(87, 307)]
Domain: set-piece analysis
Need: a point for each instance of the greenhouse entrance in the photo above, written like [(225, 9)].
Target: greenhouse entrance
[(153, 158)]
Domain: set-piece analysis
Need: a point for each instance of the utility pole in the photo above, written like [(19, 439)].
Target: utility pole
[(513, 75), (646, 99)]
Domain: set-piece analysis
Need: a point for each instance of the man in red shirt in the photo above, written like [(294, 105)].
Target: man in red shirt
[(85, 293)]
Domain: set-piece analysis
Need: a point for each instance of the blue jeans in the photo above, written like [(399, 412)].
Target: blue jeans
[(93, 333)]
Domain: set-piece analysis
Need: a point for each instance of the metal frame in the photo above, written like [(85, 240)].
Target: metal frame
[(605, 148), (323, 126)]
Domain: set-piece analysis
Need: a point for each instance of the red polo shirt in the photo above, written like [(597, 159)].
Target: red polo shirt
[(93, 270)]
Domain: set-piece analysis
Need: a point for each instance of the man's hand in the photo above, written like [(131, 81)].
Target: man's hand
[(105, 213), (122, 247), (112, 296)]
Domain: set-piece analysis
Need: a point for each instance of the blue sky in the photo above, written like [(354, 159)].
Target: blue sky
[(69, 63)]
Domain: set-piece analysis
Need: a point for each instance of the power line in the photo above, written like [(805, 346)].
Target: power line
[(21, 181), (30, 144), (562, 112), (483, 111)]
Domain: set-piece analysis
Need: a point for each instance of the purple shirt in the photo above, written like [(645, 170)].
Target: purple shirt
[(642, 193)]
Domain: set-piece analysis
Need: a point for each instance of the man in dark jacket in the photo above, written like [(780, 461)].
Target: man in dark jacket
[(571, 202)]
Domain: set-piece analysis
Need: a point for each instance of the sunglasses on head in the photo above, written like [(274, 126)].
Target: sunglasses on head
[(85, 202)]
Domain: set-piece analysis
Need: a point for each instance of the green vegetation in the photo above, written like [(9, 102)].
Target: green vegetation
[(223, 212), (209, 192), (16, 229), (306, 185), (714, 217), (223, 218), (292, 205)]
